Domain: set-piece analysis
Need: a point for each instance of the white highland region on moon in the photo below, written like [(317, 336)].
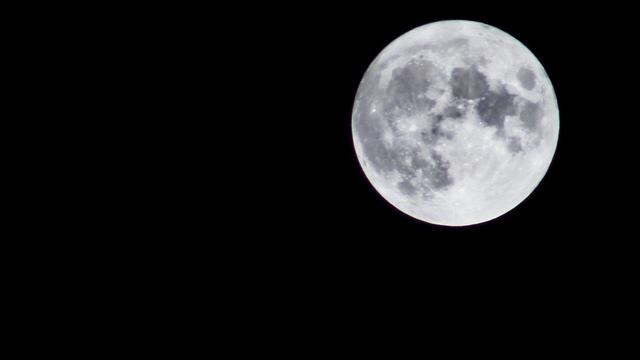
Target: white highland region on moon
[(455, 123)]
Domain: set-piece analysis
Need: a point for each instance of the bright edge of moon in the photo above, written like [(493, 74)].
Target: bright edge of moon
[(455, 123)]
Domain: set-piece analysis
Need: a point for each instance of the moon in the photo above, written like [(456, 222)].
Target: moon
[(455, 123)]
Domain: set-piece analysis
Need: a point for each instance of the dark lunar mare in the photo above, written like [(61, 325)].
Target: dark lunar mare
[(527, 78), (439, 174), (494, 107), (530, 114), (468, 83), (514, 145), (407, 188), (435, 171), (406, 92), (401, 97)]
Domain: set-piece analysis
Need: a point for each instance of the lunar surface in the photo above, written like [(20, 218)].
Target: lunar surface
[(455, 123)]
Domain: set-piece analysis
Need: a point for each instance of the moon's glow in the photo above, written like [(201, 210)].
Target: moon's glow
[(455, 123)]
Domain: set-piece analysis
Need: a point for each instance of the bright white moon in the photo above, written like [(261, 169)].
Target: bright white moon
[(455, 123)]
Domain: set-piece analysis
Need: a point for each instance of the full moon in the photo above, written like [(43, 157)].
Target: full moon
[(455, 123)]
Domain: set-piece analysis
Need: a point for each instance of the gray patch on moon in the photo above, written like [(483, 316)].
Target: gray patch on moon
[(438, 133), (454, 111), (439, 173), (514, 145), (401, 97), (435, 172), (468, 83), (407, 89), (405, 161), (494, 107), (431, 135), (377, 154), (530, 114), (407, 188), (527, 78)]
